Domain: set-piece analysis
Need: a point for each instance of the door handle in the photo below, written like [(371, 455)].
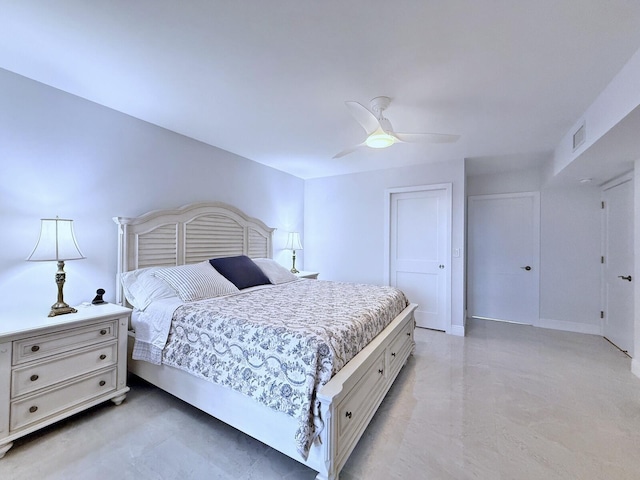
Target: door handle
[(527, 268), (625, 278)]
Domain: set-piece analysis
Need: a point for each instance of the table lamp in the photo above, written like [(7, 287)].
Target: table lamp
[(293, 244), (57, 242)]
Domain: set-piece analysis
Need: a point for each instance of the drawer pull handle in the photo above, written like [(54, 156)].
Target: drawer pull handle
[(380, 371), (35, 348), (348, 414), (33, 409), (103, 332), (33, 378), (103, 356), (102, 383), (393, 354)]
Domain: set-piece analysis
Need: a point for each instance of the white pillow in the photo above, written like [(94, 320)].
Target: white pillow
[(141, 287), (196, 281), (275, 272)]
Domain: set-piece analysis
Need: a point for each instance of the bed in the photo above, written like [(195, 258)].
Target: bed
[(341, 404)]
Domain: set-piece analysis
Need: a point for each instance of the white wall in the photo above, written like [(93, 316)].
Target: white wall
[(62, 155), (344, 224), (509, 182), (570, 247)]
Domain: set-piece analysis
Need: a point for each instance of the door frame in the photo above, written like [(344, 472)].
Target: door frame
[(448, 188), (535, 195), (616, 182)]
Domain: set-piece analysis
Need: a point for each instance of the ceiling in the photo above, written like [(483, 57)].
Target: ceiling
[(267, 80)]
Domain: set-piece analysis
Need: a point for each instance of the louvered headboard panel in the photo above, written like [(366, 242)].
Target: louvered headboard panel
[(211, 236), (189, 234), (158, 247), (259, 244)]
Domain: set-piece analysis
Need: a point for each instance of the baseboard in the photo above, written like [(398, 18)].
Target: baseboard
[(457, 330), (635, 367), (569, 326)]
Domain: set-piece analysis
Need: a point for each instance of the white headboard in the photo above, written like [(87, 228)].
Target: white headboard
[(188, 234)]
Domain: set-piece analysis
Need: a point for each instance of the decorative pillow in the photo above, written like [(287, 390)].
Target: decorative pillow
[(240, 270), (196, 281), (274, 271), (141, 287)]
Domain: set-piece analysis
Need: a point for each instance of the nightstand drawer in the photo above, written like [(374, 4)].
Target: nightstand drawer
[(62, 367), (28, 349), (36, 407)]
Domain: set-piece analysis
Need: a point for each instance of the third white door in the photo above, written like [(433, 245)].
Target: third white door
[(618, 263)]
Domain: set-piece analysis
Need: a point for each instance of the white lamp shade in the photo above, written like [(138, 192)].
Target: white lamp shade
[(57, 242), (293, 241)]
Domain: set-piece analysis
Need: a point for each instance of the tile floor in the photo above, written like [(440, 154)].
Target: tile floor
[(505, 402)]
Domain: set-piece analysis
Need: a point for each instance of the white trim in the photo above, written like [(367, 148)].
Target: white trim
[(448, 188), (457, 330), (635, 367), (624, 178), (566, 326)]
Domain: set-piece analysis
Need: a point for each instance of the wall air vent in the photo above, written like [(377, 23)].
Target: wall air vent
[(578, 137)]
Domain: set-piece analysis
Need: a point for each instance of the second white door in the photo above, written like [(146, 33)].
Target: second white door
[(503, 244)]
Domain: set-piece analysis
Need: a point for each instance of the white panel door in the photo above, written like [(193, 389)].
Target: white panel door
[(619, 316), (503, 247), (419, 251)]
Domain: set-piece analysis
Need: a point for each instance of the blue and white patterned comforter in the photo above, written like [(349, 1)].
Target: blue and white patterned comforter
[(279, 345)]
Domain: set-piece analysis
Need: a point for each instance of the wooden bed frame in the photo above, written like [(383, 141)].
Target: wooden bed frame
[(348, 401)]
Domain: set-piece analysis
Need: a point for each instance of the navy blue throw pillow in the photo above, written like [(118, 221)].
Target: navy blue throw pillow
[(240, 270)]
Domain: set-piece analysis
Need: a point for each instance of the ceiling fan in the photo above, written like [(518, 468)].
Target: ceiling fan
[(380, 133)]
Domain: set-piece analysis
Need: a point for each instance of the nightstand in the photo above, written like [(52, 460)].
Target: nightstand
[(312, 275), (54, 367)]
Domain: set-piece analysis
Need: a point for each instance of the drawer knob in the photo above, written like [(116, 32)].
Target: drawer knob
[(103, 332), (33, 409), (102, 383), (347, 414), (393, 354), (408, 334), (33, 378), (103, 356), (380, 371), (35, 348)]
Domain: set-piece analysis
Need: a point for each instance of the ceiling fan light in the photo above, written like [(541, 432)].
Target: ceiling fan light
[(380, 140)]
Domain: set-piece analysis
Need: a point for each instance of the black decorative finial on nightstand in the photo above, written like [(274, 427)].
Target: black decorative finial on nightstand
[(98, 300)]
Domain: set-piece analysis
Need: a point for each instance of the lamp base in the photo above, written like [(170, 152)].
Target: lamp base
[(293, 266), (61, 308)]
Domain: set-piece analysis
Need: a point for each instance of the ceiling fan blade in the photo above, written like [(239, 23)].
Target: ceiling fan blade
[(426, 137), (363, 116), (349, 150)]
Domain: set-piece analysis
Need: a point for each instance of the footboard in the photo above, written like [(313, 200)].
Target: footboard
[(350, 399)]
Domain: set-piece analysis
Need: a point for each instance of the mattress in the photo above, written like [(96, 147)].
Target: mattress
[(280, 344)]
